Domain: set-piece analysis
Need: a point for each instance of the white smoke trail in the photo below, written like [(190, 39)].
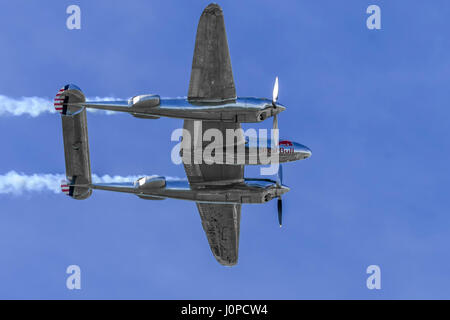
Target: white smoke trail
[(35, 106), (15, 183), (18, 183)]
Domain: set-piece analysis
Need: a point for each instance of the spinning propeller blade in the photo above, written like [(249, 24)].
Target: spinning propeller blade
[(275, 117), (280, 211), (280, 202), (277, 140), (275, 92)]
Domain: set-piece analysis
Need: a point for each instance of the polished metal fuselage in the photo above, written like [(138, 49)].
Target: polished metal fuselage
[(262, 152), (251, 191), (241, 109)]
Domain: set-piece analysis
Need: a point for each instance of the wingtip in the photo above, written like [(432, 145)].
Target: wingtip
[(227, 261), (213, 8)]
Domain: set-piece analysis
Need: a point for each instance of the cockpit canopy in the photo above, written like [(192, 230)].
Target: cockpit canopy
[(145, 101), (150, 182)]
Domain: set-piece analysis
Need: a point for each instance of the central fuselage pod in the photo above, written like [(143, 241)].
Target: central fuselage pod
[(253, 152)]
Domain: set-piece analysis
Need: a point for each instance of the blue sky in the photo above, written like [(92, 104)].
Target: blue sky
[(371, 104)]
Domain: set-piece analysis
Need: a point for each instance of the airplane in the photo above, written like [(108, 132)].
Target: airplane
[(218, 189)]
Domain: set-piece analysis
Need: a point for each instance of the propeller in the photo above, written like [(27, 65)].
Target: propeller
[(275, 92), (280, 202), (280, 211), (277, 140), (274, 100)]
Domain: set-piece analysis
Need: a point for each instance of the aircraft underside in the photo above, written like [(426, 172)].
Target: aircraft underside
[(217, 183)]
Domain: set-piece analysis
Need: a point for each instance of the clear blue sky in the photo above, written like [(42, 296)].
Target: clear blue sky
[(372, 106)]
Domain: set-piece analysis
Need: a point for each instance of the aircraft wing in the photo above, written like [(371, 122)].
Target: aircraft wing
[(221, 222), (211, 75), (212, 79), (221, 225)]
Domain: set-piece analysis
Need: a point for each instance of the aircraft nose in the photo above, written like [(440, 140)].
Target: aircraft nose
[(303, 151), (306, 152)]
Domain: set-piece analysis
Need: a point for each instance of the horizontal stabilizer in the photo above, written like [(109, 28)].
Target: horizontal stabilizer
[(76, 145)]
